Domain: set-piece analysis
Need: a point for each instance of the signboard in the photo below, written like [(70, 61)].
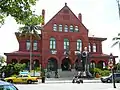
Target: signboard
[(24, 73), (110, 65)]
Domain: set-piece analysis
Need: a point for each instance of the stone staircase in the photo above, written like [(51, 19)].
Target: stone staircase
[(62, 74)]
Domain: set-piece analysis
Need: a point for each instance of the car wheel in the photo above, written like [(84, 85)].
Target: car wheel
[(29, 81), (108, 81), (11, 81)]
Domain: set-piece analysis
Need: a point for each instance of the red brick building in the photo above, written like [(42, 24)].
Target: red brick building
[(65, 31)]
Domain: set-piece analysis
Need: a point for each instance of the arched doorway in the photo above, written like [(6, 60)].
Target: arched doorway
[(36, 64), (14, 61), (52, 64), (92, 64), (101, 64), (27, 63), (66, 64)]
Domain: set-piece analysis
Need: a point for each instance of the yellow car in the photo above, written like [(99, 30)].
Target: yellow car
[(22, 79)]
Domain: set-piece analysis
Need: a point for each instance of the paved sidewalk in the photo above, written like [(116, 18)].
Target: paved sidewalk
[(69, 80)]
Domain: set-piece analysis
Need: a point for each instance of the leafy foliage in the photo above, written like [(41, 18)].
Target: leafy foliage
[(11, 69), (101, 72), (2, 61), (19, 9)]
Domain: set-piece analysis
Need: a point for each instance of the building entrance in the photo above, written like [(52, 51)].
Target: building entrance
[(66, 65)]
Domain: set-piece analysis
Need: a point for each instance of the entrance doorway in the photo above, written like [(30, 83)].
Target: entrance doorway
[(66, 64), (52, 64)]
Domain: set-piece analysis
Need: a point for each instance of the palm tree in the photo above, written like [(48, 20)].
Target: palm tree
[(29, 29), (117, 40)]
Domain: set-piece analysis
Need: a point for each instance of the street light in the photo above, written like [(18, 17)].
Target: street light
[(111, 66)]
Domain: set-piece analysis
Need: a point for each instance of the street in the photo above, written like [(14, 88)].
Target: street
[(63, 85)]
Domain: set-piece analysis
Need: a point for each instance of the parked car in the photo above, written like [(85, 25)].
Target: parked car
[(22, 79), (108, 79), (7, 86)]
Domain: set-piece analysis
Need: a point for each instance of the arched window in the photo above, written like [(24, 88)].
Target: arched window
[(52, 43), (92, 64), (76, 29), (55, 27), (71, 28), (28, 44), (60, 28), (89, 47), (66, 44), (104, 65), (65, 28), (35, 45), (94, 47), (79, 45)]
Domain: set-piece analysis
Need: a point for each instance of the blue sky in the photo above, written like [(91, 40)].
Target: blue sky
[(99, 16)]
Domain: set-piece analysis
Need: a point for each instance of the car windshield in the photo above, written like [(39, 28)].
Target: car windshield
[(7, 87)]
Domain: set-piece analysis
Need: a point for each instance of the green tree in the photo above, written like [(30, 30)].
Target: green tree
[(2, 61), (29, 29), (19, 9), (12, 69)]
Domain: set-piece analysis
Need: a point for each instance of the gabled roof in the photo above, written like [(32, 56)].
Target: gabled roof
[(70, 11)]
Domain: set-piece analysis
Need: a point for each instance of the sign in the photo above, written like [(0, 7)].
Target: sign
[(24, 73), (110, 65)]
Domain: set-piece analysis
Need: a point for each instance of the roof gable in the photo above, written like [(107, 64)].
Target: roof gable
[(64, 16)]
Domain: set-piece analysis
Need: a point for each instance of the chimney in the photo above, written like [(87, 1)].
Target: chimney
[(80, 17), (43, 14)]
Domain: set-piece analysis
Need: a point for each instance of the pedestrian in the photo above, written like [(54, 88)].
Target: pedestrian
[(3, 75)]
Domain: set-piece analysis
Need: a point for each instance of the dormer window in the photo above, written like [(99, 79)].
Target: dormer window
[(76, 29), (65, 28), (71, 28), (60, 28), (55, 27)]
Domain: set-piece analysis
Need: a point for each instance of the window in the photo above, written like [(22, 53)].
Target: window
[(35, 45), (28, 44), (94, 47), (92, 64), (66, 28), (104, 65), (60, 28), (55, 27), (66, 44), (76, 29), (71, 28), (52, 43), (89, 47), (79, 45)]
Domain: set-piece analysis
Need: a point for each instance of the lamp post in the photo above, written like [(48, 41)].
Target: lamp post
[(111, 66), (42, 73), (34, 66)]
